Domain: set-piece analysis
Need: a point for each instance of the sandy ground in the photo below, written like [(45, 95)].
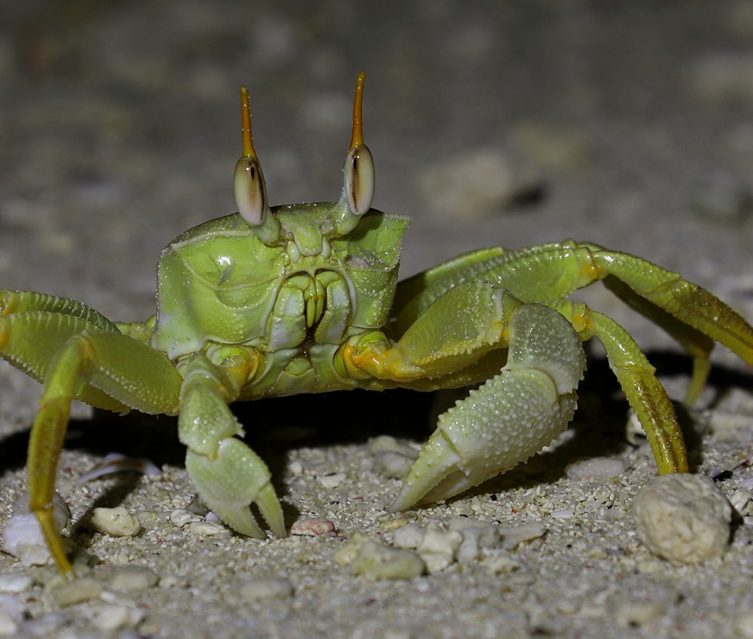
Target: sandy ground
[(629, 125)]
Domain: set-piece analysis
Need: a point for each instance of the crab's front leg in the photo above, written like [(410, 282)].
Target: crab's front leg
[(227, 474), (512, 415), (78, 354)]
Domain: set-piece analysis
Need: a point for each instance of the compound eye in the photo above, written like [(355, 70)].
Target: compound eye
[(359, 179), (358, 182), (249, 190)]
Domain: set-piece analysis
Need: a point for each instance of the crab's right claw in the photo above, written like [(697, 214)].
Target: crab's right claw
[(230, 482), (509, 418)]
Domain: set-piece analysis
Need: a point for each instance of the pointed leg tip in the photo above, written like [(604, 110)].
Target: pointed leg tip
[(271, 510)]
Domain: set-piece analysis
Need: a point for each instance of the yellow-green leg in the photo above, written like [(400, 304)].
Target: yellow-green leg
[(694, 342), (645, 394), (227, 474), (131, 373)]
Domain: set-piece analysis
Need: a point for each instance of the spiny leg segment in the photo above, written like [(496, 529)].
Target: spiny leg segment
[(77, 353), (226, 473)]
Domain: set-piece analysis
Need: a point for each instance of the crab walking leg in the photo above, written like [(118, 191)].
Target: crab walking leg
[(696, 344), (227, 474), (645, 394), (13, 302), (684, 300), (29, 340), (510, 417), (130, 372)]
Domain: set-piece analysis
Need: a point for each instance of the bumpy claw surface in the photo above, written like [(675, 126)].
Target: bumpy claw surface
[(233, 480), (509, 418)]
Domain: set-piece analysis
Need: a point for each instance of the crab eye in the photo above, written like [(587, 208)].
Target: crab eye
[(359, 179), (359, 172), (250, 191)]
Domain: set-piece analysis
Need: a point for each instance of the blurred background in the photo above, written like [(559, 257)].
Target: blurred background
[(508, 123)]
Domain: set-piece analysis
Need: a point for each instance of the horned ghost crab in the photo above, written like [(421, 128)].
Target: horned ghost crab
[(304, 298)]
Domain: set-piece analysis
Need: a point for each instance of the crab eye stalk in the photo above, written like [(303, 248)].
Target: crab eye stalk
[(359, 164), (250, 189), (358, 172)]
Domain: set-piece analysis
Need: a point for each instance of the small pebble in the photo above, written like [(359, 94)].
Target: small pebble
[(132, 578), (378, 561), (116, 617), (15, 582), (116, 522), (333, 480), (22, 536), (76, 591), (391, 464), (683, 518), (595, 468), (476, 183), (313, 527), (409, 536), (180, 517), (515, 535), (207, 528), (741, 501), (638, 613), (263, 589), (478, 538), (438, 548)]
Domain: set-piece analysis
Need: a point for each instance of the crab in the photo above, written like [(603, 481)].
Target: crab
[(304, 298)]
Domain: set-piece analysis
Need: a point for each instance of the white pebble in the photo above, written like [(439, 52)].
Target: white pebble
[(22, 536), (478, 538), (207, 528), (295, 468), (409, 536), (116, 617), (740, 501), (562, 514), (438, 548), (595, 468), (374, 560), (263, 589), (74, 592), (312, 527), (15, 582), (518, 534), (390, 464), (683, 518), (637, 613), (333, 480), (132, 578), (180, 517), (116, 522)]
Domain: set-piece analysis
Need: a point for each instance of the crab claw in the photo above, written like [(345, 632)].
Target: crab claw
[(509, 418), (231, 481)]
